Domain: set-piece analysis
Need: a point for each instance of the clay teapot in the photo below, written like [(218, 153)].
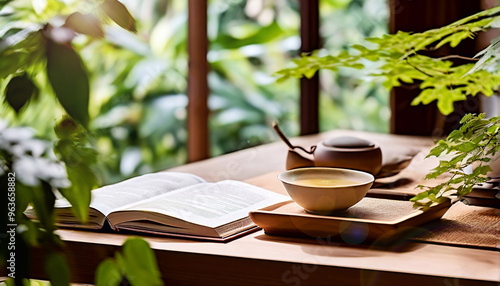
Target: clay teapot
[(340, 152)]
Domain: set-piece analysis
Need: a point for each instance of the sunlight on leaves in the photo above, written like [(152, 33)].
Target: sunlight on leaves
[(119, 14), (85, 24)]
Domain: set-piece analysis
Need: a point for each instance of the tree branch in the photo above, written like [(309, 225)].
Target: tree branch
[(417, 68), (457, 57)]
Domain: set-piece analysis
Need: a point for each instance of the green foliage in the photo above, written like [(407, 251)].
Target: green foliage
[(68, 78), (38, 47), (19, 91), (57, 269), (401, 60), (30, 58), (108, 273), (37, 175), (85, 24), (346, 102), (455, 86), (136, 264), (29, 161), (489, 57), (119, 14), (471, 148), (3, 3), (73, 149)]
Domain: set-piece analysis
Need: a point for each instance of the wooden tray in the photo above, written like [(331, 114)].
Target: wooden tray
[(366, 221)]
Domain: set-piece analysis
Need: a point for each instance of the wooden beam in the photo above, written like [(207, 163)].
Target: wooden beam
[(197, 121), (309, 88)]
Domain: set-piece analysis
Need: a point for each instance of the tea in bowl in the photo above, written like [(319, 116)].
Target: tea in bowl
[(325, 190)]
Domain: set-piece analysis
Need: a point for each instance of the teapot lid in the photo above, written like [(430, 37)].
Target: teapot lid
[(348, 142)]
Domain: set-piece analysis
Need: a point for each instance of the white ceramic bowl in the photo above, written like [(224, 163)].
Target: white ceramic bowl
[(326, 199)]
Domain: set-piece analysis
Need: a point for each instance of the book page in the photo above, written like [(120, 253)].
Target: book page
[(211, 204), (114, 196)]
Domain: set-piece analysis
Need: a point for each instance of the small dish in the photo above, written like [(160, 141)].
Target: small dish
[(325, 190)]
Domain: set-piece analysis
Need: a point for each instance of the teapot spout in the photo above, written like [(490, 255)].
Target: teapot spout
[(295, 160)]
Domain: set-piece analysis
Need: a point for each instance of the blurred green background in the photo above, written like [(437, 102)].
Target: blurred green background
[(139, 81)]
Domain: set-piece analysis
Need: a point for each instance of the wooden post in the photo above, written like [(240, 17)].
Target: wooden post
[(309, 88), (197, 119), (419, 16)]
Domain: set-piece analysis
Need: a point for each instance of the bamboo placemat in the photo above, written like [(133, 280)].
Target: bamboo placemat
[(466, 226)]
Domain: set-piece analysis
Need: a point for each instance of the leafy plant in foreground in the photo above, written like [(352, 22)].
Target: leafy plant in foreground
[(30, 168), (44, 48), (39, 55), (472, 147), (136, 265), (35, 173)]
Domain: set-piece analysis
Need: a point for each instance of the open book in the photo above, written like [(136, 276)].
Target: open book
[(177, 204)]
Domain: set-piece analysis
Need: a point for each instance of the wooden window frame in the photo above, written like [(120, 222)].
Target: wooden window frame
[(198, 146), (407, 15)]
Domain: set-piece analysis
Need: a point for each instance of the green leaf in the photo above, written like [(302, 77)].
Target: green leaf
[(360, 48), (465, 118), (82, 182), (261, 35), (108, 273), (85, 24), (420, 196), (472, 18), (30, 232), (69, 80), (3, 3), (481, 170), (119, 14), (56, 268), (466, 147), (455, 38), (10, 63), (445, 106), (43, 203), (73, 151), (140, 263), (438, 149), (20, 51), (19, 91), (460, 157)]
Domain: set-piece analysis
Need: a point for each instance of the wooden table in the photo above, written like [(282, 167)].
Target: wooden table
[(260, 259)]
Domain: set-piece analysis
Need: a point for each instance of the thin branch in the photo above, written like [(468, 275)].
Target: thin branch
[(410, 86), (417, 68), (457, 57)]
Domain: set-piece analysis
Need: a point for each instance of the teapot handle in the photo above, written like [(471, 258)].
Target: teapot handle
[(287, 142)]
